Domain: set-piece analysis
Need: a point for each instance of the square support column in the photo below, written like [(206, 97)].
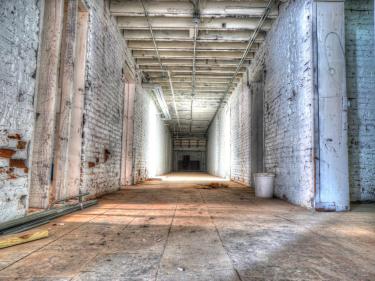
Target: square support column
[(332, 185)]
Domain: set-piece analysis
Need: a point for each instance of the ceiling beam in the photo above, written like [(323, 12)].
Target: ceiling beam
[(200, 76), (229, 24), (184, 35), (198, 83), (186, 91), (188, 62), (188, 46), (188, 80), (210, 9), (203, 69), (224, 55)]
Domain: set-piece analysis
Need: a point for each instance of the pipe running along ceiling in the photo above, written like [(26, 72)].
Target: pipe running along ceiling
[(196, 50)]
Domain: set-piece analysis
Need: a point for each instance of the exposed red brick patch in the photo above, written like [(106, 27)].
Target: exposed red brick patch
[(21, 145), (91, 164), (6, 152), (14, 136), (9, 172), (17, 163)]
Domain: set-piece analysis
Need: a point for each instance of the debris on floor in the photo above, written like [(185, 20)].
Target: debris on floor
[(213, 185), (12, 240), (152, 181)]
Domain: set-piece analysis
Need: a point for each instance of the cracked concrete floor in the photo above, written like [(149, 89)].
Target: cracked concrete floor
[(178, 230)]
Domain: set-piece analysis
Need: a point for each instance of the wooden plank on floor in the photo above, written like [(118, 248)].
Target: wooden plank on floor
[(12, 240)]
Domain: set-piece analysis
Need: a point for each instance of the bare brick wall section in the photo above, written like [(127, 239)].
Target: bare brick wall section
[(360, 58), (104, 93), (19, 31)]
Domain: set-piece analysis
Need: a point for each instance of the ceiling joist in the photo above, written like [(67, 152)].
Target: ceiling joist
[(196, 50), (211, 9)]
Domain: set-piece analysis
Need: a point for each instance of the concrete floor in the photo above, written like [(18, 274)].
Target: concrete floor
[(179, 230)]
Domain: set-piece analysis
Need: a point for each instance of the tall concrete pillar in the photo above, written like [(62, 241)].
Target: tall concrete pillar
[(46, 103), (332, 185)]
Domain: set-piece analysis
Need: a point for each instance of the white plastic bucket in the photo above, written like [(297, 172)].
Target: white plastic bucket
[(264, 185)]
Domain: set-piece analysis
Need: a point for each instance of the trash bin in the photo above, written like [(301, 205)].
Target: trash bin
[(264, 185)]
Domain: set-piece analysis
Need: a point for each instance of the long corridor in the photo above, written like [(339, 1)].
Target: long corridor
[(197, 227)]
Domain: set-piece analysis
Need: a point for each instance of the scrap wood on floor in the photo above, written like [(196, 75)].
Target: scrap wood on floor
[(152, 181), (213, 185), (20, 238)]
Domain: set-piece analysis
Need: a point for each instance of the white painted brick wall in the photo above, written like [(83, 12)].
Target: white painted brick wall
[(104, 93), (218, 144), (229, 138), (213, 146), (287, 56), (240, 133), (288, 102), (360, 58), (152, 139), (19, 30)]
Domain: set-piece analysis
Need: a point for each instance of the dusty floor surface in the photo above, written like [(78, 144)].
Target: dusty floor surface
[(183, 231)]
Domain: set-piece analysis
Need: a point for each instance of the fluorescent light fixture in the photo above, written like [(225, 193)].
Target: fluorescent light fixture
[(157, 95)]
